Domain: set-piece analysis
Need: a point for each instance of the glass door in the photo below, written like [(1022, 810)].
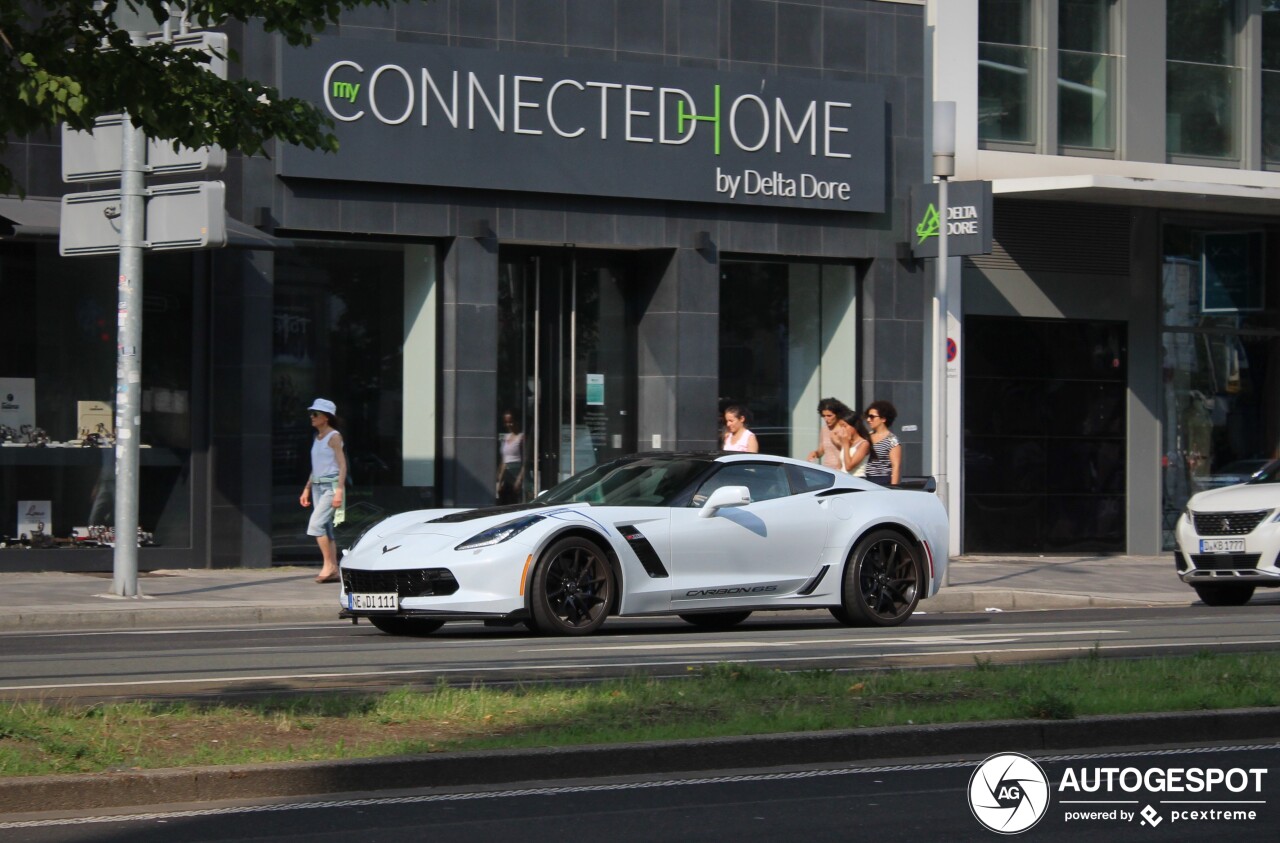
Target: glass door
[(566, 364)]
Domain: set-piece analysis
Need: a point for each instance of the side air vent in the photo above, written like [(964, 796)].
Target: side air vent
[(644, 551)]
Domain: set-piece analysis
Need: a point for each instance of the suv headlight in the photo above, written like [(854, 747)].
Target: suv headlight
[(500, 533)]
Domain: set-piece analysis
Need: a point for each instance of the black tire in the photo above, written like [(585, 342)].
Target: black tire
[(1224, 595), (716, 620), (839, 613), (412, 627), (882, 581), (572, 588)]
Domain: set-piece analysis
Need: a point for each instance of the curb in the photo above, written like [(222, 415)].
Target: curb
[(489, 767), (145, 616), (151, 617)]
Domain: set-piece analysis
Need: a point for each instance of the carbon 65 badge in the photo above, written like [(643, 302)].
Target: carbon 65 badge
[(1009, 793)]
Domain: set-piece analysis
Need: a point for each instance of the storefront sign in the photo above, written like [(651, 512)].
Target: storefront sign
[(968, 219), (471, 118)]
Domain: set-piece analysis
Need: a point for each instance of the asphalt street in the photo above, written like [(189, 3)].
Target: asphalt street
[(993, 592), (918, 799)]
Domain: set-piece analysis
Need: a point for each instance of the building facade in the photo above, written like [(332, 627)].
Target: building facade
[(1118, 348), (603, 221)]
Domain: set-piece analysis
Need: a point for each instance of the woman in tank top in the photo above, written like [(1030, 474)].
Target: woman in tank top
[(885, 464), (737, 437)]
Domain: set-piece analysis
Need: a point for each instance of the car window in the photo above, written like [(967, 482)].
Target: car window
[(1269, 474), (806, 479), (765, 482), (628, 482)]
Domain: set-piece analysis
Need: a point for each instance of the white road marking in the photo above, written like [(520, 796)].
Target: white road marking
[(429, 671), (978, 638), (569, 790)]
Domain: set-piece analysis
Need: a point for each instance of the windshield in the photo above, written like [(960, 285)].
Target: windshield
[(630, 481), (1270, 474)]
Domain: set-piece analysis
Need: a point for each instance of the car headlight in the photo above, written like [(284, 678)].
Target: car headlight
[(500, 533)]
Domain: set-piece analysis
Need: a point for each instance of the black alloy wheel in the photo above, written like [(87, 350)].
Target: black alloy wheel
[(405, 626), (572, 588), (715, 620), (882, 581), (1232, 594)]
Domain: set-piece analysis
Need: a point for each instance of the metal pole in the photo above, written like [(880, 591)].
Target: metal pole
[(944, 153), (124, 581)]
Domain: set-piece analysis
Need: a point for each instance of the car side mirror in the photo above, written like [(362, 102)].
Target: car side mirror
[(725, 496)]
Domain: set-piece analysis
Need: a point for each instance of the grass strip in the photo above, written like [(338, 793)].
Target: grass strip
[(723, 700)]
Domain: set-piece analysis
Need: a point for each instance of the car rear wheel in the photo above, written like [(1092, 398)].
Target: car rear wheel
[(715, 620), (572, 588), (882, 581), (406, 626), (1224, 595)]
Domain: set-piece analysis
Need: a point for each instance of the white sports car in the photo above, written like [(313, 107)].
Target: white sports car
[(1229, 539), (708, 537)]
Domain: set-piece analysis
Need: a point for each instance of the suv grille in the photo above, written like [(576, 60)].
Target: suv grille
[(425, 582), (1215, 562), (1228, 523)]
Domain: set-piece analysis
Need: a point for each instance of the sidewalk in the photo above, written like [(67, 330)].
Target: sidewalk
[(290, 595)]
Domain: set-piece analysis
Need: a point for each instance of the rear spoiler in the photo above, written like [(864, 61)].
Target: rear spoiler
[(918, 484)]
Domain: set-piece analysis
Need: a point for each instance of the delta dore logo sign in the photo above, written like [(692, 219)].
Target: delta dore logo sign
[(473, 118), (968, 223), (1010, 793)]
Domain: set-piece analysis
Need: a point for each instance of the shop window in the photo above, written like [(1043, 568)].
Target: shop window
[(1221, 358), (57, 383), (787, 340), (356, 325), (1203, 79)]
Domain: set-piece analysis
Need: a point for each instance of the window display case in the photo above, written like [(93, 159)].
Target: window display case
[(57, 377)]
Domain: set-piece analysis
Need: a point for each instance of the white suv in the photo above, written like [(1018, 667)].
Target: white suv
[(1229, 539)]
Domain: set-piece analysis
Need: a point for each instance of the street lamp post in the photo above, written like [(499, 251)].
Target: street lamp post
[(944, 167)]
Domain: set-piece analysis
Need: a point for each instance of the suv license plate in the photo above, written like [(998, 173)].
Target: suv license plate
[(1222, 545), (374, 602)]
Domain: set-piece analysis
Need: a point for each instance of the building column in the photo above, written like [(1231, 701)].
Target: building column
[(240, 412), (679, 354), (469, 372)]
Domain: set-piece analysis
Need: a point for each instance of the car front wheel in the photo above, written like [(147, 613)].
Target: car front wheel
[(406, 626), (572, 588), (882, 581), (1224, 595)]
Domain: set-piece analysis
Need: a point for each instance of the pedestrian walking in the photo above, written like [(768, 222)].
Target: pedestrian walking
[(885, 464), (831, 411), (326, 486), (854, 438), (510, 486), (737, 437)]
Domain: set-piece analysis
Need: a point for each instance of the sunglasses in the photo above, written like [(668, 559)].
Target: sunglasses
[(872, 416), (315, 413)]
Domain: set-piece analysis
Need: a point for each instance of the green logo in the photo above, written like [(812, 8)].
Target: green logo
[(713, 118), (928, 226), (346, 91)]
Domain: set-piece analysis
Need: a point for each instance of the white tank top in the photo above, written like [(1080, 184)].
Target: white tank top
[(324, 462)]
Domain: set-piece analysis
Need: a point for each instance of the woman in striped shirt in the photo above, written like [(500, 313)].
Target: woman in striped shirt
[(885, 463)]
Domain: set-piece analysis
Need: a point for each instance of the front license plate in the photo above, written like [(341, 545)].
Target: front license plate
[(1222, 545), (374, 602)]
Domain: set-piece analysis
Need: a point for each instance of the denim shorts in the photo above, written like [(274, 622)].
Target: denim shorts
[(321, 523)]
